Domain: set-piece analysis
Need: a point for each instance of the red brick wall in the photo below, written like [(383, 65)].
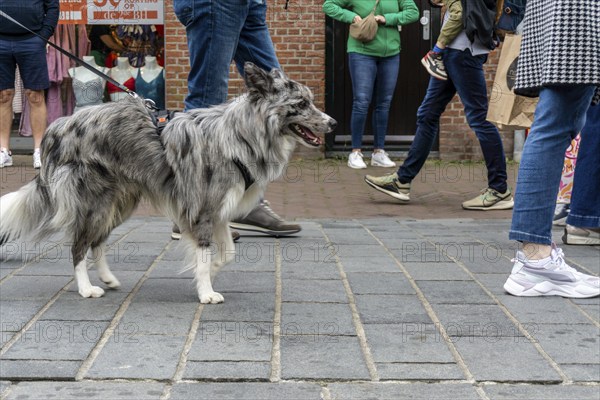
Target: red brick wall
[(298, 35), (299, 38)]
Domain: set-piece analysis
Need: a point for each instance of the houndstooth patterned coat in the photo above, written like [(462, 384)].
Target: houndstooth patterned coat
[(561, 45)]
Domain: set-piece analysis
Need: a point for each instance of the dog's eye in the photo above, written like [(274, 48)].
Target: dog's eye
[(303, 104)]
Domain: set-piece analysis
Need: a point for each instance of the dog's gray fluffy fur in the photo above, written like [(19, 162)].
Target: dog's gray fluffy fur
[(99, 163)]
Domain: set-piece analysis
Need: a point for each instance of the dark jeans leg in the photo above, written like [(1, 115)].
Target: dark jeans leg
[(585, 199), (363, 71), (385, 84), (438, 95), (466, 71)]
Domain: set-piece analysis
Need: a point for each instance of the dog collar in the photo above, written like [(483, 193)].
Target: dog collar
[(248, 179)]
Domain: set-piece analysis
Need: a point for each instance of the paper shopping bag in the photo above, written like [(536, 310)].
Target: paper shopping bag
[(506, 109)]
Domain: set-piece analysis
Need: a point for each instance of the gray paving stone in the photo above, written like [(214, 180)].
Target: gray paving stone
[(419, 251), (232, 341), (475, 320), (4, 385), (31, 287), (383, 283), (159, 318), (437, 272), (495, 263), (247, 390), (171, 269), (139, 356), (454, 292), (14, 314), (419, 371), (309, 270), (5, 272), (316, 318), (87, 390), (540, 392), (162, 290), (322, 357), (544, 310), (345, 251), (495, 283), (319, 291), (592, 310), (385, 390), (221, 370), (252, 307), (57, 340), (245, 282), (506, 359), (582, 372), (407, 343), (98, 309), (375, 264), (48, 267), (391, 309), (39, 369), (569, 343)]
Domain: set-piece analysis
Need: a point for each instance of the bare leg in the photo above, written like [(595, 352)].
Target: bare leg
[(6, 116), (38, 115)]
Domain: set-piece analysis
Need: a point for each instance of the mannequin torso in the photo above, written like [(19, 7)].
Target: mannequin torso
[(122, 73), (150, 82), (87, 86)]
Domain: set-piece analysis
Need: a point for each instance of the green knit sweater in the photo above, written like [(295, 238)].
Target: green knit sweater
[(387, 41)]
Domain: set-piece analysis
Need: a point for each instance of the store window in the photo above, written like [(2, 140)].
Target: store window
[(122, 38)]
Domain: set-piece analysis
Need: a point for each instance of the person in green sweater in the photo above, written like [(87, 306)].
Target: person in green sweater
[(453, 26), (373, 68)]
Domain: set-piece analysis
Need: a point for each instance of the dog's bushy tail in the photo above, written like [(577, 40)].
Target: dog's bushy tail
[(25, 213)]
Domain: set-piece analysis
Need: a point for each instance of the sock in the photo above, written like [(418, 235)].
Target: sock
[(437, 49), (539, 263)]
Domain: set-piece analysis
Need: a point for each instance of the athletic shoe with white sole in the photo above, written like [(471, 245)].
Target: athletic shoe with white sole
[(5, 158), (355, 160), (550, 277), (390, 185), (381, 159), (561, 212), (582, 236), (264, 220), (490, 199), (434, 64)]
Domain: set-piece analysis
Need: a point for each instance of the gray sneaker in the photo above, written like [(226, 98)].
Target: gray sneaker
[(390, 185), (556, 278), (264, 220), (583, 236)]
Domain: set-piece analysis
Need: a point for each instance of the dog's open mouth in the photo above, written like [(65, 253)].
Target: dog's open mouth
[(306, 135)]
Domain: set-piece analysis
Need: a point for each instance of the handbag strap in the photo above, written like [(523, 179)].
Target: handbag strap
[(374, 8)]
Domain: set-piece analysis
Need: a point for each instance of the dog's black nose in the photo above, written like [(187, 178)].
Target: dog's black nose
[(332, 124)]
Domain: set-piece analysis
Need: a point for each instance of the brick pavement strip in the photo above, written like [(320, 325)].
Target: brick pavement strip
[(311, 324)]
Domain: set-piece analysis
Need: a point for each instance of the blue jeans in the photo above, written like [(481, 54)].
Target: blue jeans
[(559, 116), (585, 198), (218, 32), (370, 76), (465, 76)]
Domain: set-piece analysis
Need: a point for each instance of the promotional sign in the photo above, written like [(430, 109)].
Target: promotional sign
[(109, 12)]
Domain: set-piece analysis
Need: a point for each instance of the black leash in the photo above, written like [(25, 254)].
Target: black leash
[(149, 103)]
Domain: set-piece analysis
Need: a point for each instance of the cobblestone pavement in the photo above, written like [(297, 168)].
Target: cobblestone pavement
[(353, 307)]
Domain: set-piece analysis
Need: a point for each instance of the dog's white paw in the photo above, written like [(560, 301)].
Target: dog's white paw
[(211, 298), (92, 291), (112, 283)]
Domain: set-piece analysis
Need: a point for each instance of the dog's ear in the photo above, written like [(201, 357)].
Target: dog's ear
[(277, 74), (258, 81)]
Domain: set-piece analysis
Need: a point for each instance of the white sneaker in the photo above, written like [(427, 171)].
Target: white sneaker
[(355, 160), (37, 161), (551, 277), (381, 159), (5, 158)]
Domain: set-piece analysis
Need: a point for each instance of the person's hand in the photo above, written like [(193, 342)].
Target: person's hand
[(356, 19), (380, 19)]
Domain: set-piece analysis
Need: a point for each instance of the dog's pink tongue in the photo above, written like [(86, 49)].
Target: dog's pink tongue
[(311, 136)]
